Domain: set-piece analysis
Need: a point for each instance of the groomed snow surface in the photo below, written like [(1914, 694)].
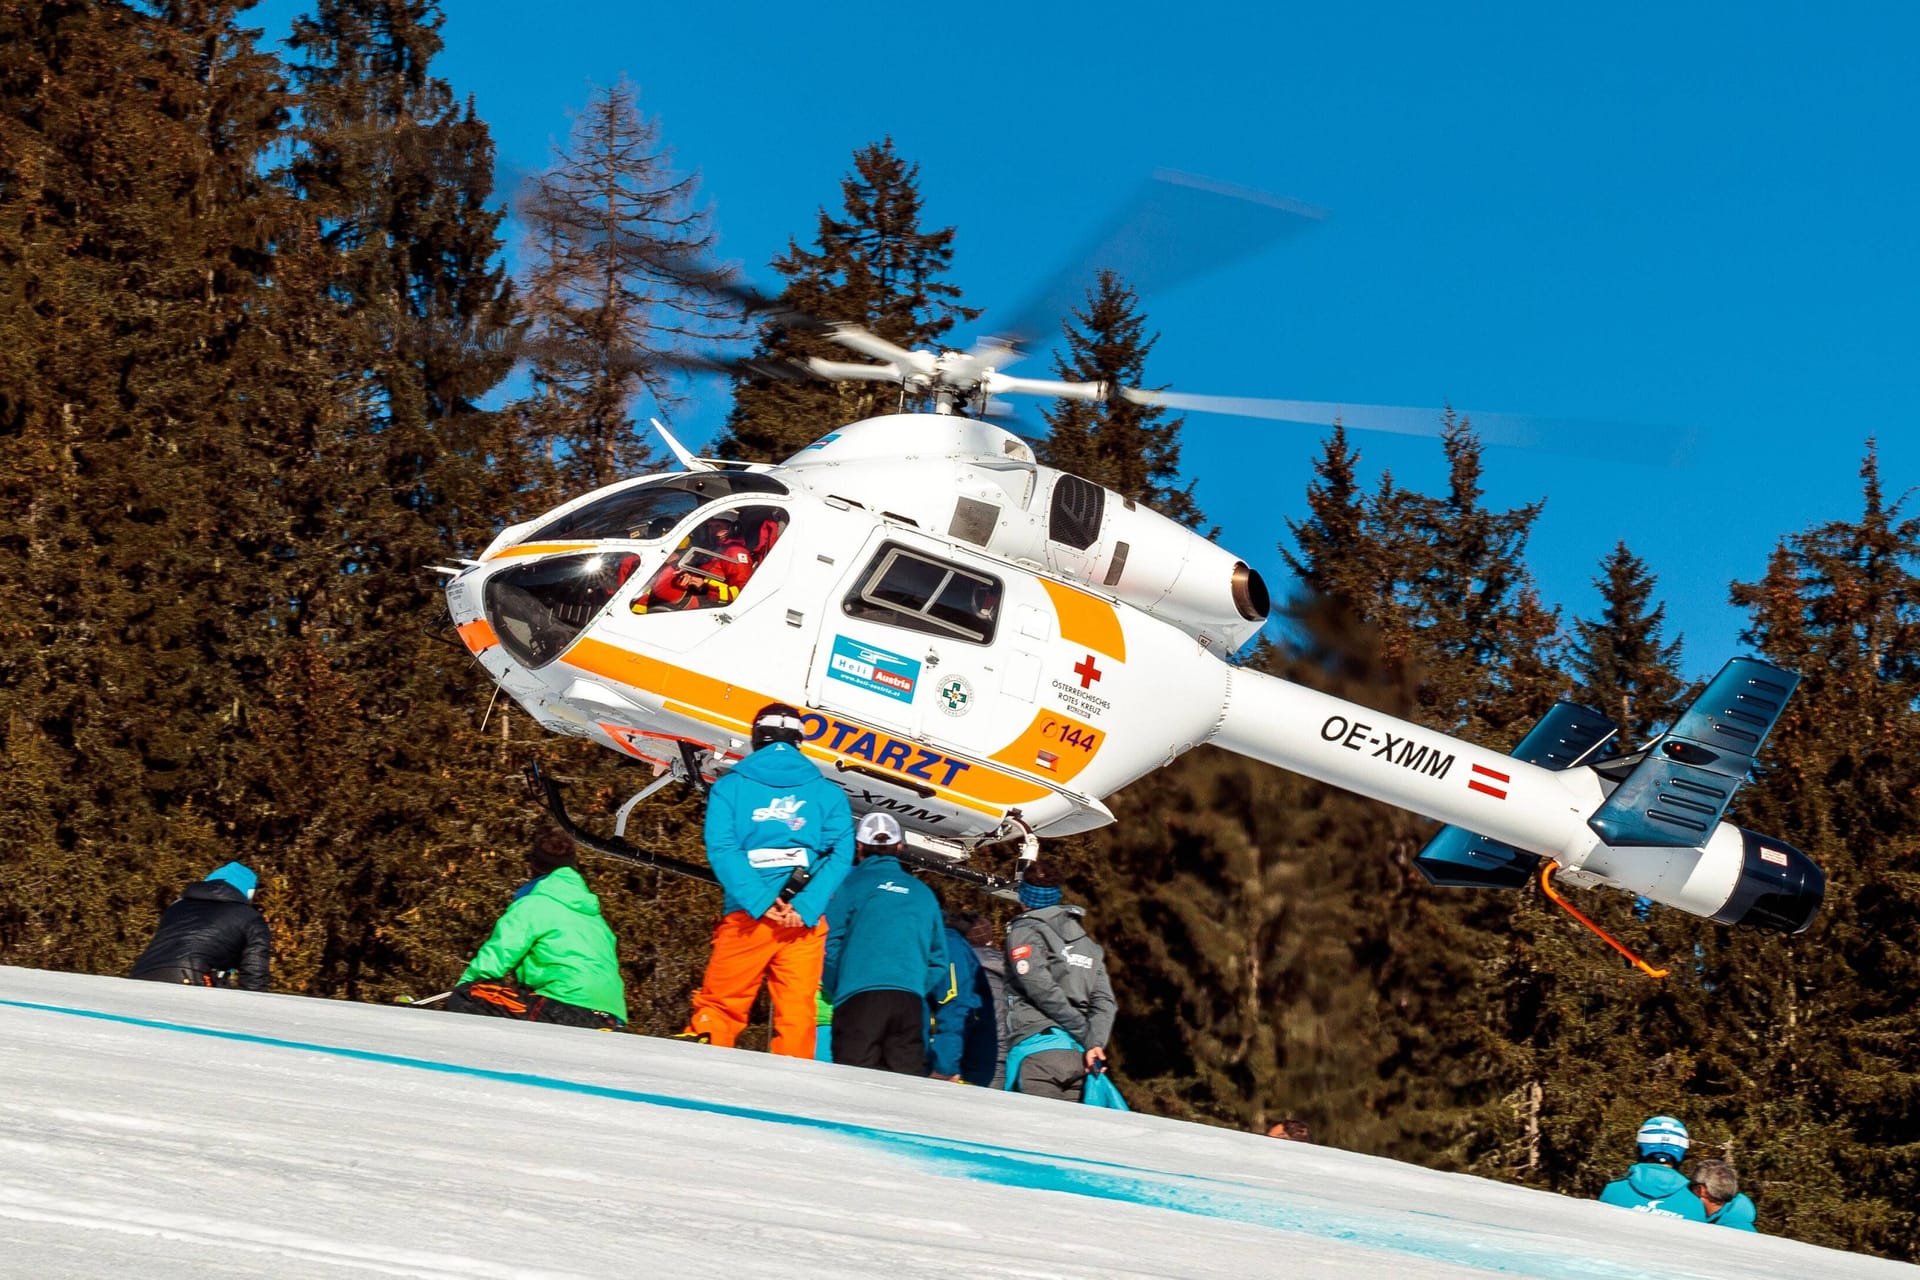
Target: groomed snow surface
[(159, 1131)]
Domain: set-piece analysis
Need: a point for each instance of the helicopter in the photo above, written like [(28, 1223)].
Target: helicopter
[(987, 648)]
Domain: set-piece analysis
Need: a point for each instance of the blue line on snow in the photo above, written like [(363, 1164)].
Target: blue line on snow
[(1007, 1166)]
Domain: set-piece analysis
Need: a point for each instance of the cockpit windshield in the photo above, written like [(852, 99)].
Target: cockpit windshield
[(538, 609), (643, 512)]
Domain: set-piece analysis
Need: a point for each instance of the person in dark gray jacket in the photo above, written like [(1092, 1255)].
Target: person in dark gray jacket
[(213, 930), (1060, 1005)]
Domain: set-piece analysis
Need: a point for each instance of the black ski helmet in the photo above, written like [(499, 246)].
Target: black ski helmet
[(777, 722)]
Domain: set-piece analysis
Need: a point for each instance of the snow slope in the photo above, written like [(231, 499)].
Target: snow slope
[(170, 1132)]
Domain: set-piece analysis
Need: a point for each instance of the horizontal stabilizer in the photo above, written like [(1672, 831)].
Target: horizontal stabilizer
[(1566, 736), (1457, 858), (1674, 797)]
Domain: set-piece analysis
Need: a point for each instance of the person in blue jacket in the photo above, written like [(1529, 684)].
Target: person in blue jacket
[(886, 954), (1655, 1184), (780, 841), (1718, 1186), (966, 1026)]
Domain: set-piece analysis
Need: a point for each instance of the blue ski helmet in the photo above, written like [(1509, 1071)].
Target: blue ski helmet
[(1663, 1138)]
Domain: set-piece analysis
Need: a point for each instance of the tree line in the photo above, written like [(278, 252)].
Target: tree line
[(255, 346)]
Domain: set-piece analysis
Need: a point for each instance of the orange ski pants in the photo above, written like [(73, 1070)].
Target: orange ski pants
[(745, 950)]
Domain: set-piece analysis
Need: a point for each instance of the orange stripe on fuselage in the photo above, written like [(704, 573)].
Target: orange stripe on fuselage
[(478, 635), (1088, 620), (689, 693), (540, 549), (728, 706)]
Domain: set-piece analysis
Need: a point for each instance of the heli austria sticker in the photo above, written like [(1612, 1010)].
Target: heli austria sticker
[(956, 696), (888, 674)]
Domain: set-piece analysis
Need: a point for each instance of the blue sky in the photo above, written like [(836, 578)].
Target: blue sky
[(1695, 216)]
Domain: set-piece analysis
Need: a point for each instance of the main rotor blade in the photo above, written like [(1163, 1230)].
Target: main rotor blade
[(1627, 442), (1000, 384), (556, 350), (833, 369), (1178, 226), (869, 343)]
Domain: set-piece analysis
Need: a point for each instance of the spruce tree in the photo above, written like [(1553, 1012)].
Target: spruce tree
[(143, 546), (1120, 445), (1324, 543), (1486, 640), (398, 811), (1817, 1071), (874, 266), (611, 289), (1620, 664)]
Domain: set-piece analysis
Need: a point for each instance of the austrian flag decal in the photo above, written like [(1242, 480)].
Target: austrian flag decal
[(1489, 782)]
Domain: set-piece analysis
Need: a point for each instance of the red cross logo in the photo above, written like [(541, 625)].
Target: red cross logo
[(1087, 672)]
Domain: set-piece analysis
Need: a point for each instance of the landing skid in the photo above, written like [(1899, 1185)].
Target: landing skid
[(618, 848), (615, 847)]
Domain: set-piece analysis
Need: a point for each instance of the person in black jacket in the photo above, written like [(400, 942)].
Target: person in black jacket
[(214, 928)]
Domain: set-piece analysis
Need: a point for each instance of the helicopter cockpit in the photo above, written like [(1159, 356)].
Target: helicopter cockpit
[(539, 608)]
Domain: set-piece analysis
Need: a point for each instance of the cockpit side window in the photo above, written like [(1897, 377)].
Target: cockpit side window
[(903, 588), (714, 561)]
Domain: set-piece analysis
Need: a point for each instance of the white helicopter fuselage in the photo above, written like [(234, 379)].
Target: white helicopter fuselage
[(1068, 696), (970, 637)]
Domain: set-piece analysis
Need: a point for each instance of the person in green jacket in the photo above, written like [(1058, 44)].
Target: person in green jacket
[(550, 958)]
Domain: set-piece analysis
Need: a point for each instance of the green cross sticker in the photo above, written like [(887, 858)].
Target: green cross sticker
[(956, 696)]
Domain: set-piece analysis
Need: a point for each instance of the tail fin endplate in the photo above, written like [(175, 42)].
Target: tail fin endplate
[(1675, 795), (1568, 735)]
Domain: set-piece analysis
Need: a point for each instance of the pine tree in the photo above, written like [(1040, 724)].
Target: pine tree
[(1324, 543), (142, 542), (1486, 640), (1817, 1033), (1120, 445), (614, 243), (398, 177), (1620, 665), (873, 267)]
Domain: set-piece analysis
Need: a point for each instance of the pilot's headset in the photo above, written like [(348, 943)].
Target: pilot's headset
[(778, 722)]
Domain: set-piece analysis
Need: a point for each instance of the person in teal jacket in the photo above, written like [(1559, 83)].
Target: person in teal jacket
[(1737, 1213), (1655, 1184), (551, 957), (886, 954), (780, 841), (1718, 1186)]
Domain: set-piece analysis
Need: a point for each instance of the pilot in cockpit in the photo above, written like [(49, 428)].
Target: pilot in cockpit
[(708, 570)]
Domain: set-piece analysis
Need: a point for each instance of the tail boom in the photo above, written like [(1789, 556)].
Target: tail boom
[(1733, 876)]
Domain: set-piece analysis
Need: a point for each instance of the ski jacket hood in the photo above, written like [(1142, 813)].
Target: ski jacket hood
[(213, 891), (1656, 1188), (778, 764), (1737, 1213), (1056, 976), (553, 939), (884, 933), (769, 816)]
